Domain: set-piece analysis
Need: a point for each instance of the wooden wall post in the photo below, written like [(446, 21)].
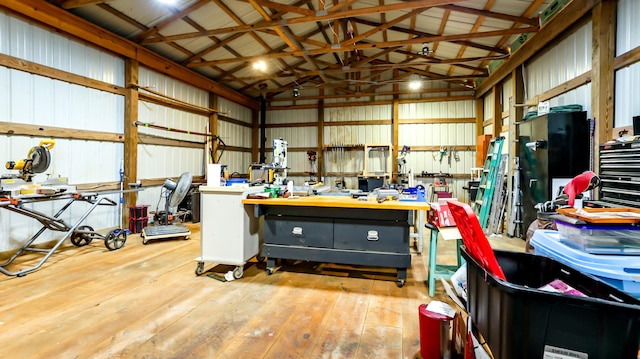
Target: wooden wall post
[(479, 116), (497, 110), (602, 72), (130, 136)]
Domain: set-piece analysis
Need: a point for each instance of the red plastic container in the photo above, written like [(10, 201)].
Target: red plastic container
[(138, 218), (434, 333)]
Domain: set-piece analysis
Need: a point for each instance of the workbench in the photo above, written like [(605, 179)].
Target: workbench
[(339, 229)]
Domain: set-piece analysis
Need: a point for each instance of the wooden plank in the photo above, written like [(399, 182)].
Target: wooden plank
[(72, 4), (145, 301), (20, 129), (46, 71), (338, 202), (438, 120)]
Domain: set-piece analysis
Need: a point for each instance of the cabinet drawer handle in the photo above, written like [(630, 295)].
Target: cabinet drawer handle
[(297, 231), (372, 235)]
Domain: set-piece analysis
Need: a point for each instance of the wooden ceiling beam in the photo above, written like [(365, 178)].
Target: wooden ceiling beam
[(287, 37), (378, 67), (424, 34), (486, 13), (285, 8), (177, 15), (384, 93), (363, 46), (339, 6), (72, 4), (382, 27), (108, 8), (300, 20)]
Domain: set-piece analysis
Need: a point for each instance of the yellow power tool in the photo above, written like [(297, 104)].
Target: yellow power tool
[(37, 161)]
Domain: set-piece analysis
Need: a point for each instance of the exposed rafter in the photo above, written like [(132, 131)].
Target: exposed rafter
[(348, 48)]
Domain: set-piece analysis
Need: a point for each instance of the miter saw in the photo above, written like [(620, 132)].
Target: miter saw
[(37, 161)]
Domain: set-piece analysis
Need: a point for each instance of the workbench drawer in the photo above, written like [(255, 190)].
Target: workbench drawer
[(299, 231), (366, 235)]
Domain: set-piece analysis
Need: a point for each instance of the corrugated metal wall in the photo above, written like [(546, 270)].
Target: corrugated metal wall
[(488, 112), (156, 161), (627, 81), (32, 99), (37, 100), (439, 134), (351, 160), (297, 137), (559, 64), (235, 135)]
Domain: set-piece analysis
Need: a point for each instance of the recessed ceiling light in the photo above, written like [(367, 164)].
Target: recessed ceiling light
[(415, 85), (260, 65), (168, 2)]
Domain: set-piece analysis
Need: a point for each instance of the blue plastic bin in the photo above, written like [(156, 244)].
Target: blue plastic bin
[(620, 271), (232, 181)]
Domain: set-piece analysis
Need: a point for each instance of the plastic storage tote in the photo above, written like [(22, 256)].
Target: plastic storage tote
[(601, 238), (518, 320), (622, 272)]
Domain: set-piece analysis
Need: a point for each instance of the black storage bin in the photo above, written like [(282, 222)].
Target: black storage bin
[(518, 320)]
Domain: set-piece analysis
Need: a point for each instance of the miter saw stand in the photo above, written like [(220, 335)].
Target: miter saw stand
[(17, 195)]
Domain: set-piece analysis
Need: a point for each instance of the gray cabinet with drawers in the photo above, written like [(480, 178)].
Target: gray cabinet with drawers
[(354, 236)]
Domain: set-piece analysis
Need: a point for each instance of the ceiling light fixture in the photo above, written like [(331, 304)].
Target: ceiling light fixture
[(415, 85), (296, 91), (168, 2), (425, 49), (260, 65)]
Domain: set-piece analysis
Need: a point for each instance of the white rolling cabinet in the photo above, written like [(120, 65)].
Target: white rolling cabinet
[(230, 233)]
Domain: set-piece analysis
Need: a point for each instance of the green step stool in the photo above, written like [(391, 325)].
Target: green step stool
[(440, 270)]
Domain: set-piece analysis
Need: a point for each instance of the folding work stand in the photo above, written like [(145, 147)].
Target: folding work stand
[(80, 235)]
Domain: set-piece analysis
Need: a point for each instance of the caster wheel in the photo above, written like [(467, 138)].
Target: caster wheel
[(81, 237), (115, 239), (200, 268), (186, 238), (269, 271), (238, 272), (400, 283)]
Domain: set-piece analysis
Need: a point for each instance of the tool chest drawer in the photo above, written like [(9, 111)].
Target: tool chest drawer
[(620, 174), (367, 235), (298, 231)]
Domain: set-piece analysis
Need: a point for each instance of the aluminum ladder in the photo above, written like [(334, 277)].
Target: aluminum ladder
[(486, 188)]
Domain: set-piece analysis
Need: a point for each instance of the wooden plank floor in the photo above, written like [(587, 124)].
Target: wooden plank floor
[(145, 301)]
